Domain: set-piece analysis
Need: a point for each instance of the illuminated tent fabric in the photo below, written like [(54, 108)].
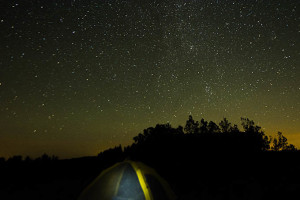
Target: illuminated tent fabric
[(128, 181)]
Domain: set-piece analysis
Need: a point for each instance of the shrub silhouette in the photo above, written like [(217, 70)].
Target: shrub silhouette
[(280, 144), (208, 136), (206, 151)]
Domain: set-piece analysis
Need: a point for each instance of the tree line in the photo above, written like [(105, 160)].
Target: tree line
[(223, 136), (200, 152)]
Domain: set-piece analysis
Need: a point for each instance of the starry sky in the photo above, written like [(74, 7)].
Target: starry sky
[(78, 77)]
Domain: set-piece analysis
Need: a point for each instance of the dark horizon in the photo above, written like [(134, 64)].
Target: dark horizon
[(131, 141), (206, 130), (200, 160)]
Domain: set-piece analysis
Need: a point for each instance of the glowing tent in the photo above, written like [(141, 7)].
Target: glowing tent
[(128, 181)]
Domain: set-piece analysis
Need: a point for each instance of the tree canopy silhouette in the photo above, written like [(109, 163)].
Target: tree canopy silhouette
[(210, 136)]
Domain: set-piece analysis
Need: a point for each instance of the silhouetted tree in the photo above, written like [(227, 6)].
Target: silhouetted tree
[(15, 160), (266, 142), (249, 125), (28, 160), (203, 129), (54, 158), (225, 126), (179, 130), (204, 136), (213, 127), (139, 138), (255, 135), (280, 143), (45, 157), (235, 129), (290, 147), (111, 155), (191, 127)]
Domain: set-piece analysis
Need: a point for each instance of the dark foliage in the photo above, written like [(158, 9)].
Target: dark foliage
[(200, 157), (203, 153), (208, 136), (47, 177)]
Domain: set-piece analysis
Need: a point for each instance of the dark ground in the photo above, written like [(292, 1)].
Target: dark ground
[(265, 175)]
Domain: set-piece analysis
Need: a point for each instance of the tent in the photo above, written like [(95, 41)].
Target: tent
[(128, 180)]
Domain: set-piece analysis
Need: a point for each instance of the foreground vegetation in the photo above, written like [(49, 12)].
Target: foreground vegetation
[(199, 160)]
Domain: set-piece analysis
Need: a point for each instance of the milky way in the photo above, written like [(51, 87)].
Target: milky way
[(77, 77)]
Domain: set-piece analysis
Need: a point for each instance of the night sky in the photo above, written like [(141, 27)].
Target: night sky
[(78, 77)]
